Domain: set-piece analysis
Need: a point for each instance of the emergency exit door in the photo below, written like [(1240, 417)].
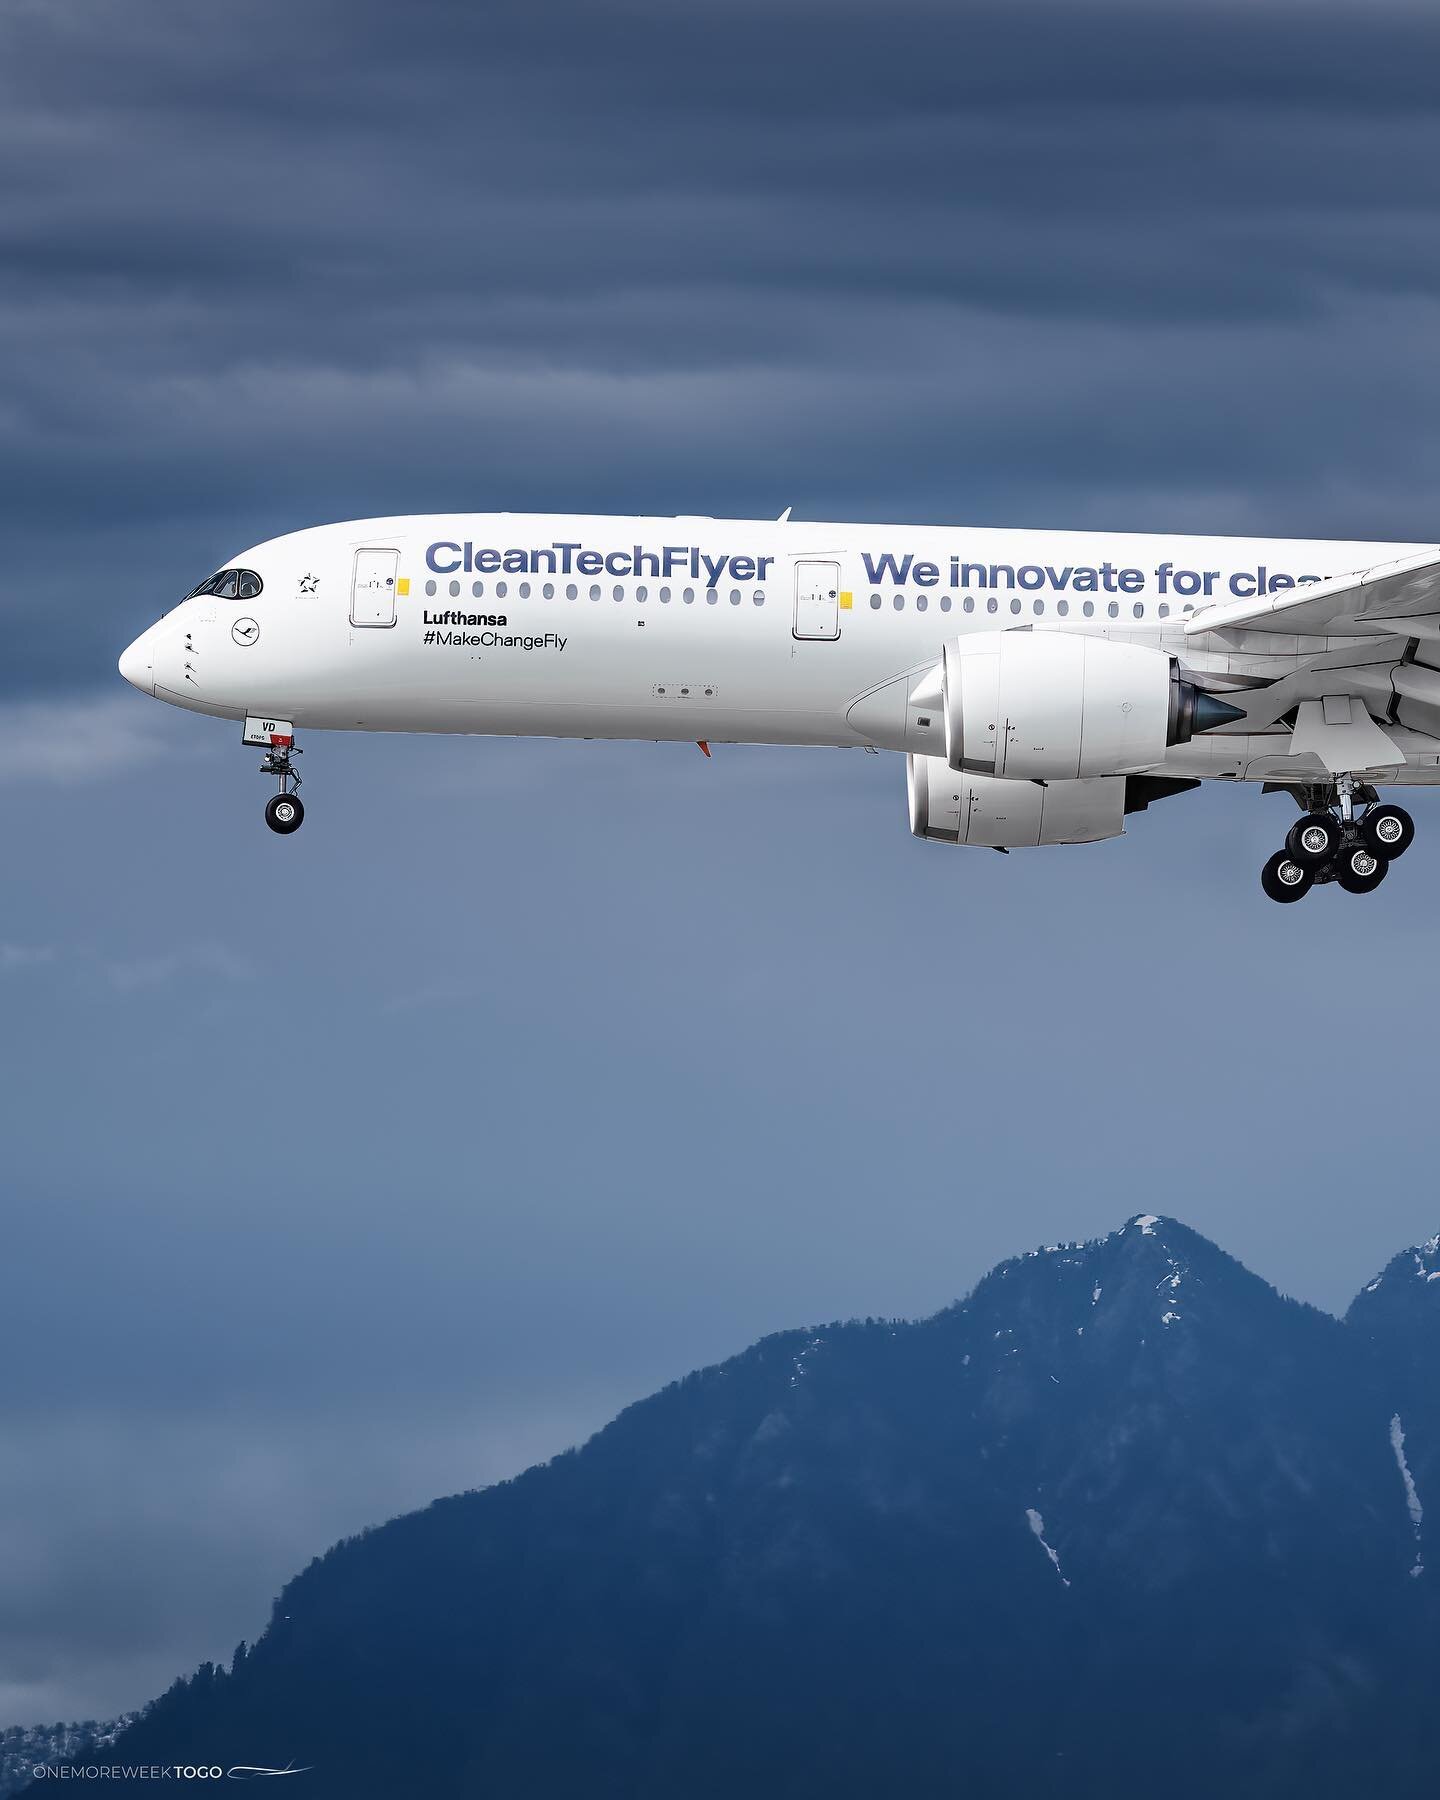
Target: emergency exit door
[(817, 599), (372, 589)]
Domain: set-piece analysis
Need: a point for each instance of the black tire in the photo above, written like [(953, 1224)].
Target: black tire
[(1388, 831), (1313, 839), (1360, 871), (284, 813), (1286, 880)]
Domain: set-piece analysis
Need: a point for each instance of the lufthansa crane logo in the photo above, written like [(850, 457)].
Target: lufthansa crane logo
[(245, 632)]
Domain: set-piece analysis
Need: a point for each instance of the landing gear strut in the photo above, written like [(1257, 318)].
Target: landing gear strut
[(284, 812), (1332, 841)]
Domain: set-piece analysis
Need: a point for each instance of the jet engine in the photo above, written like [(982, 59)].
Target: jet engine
[(1010, 815), (1050, 705)]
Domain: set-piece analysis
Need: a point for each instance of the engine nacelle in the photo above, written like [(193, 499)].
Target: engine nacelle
[(1047, 705), (1010, 815)]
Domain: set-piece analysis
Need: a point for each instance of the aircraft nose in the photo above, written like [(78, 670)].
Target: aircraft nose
[(137, 663)]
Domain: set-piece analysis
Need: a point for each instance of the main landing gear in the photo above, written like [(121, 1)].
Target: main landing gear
[(1332, 841), (284, 812)]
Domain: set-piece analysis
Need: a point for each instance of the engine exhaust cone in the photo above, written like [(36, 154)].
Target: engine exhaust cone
[(1211, 711)]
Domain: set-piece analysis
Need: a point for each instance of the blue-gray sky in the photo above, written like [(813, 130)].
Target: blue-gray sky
[(346, 1170)]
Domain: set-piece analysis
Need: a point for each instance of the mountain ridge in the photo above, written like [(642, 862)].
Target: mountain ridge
[(884, 1550)]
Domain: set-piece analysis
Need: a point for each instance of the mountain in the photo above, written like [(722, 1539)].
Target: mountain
[(1125, 1518), (24, 1748)]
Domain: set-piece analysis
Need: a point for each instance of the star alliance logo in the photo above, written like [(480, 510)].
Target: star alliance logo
[(309, 583)]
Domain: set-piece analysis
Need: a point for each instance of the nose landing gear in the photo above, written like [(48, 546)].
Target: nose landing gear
[(1331, 842), (284, 812)]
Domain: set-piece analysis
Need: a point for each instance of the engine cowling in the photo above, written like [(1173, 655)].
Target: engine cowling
[(958, 808), (1050, 705)]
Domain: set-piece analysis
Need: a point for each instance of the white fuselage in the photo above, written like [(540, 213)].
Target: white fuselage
[(719, 630)]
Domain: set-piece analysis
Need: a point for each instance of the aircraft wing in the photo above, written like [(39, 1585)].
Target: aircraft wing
[(1401, 598)]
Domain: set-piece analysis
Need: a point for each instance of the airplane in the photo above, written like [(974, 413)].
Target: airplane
[(1043, 686)]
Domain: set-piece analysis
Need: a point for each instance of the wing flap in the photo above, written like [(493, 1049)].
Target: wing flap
[(1388, 598)]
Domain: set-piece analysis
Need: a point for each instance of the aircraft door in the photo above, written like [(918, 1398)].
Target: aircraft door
[(372, 588), (817, 599)]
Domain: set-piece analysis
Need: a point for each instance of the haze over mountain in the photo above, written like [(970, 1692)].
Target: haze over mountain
[(1124, 1515)]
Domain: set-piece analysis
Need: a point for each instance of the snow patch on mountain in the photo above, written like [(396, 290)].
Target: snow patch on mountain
[(1037, 1525), (1412, 1496), (799, 1363)]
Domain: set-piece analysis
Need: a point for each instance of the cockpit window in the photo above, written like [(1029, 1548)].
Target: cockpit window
[(230, 584)]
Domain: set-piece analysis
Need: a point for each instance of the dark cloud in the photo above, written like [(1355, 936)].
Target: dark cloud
[(1041, 264)]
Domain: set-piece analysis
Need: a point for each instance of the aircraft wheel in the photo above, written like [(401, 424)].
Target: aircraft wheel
[(284, 813), (1284, 879), (1388, 831), (1313, 839), (1361, 871)]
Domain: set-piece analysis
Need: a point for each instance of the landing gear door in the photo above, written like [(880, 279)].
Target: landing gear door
[(817, 599), (372, 588)]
